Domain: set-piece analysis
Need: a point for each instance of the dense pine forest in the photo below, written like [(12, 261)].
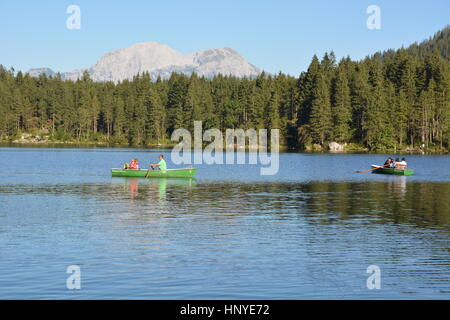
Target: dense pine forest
[(394, 99)]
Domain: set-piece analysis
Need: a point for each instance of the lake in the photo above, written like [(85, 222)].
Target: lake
[(308, 232)]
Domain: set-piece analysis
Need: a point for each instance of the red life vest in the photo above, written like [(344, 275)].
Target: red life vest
[(134, 165)]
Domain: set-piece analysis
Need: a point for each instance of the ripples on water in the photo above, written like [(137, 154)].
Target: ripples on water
[(224, 235)]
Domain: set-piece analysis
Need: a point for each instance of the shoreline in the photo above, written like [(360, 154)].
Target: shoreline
[(282, 149)]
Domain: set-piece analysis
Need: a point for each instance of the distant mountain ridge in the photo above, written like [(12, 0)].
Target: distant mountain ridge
[(160, 60), (38, 71)]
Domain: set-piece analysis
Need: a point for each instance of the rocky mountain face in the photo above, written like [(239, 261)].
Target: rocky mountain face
[(160, 60), (38, 71)]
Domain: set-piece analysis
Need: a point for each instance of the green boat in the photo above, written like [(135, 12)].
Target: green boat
[(169, 173), (392, 171)]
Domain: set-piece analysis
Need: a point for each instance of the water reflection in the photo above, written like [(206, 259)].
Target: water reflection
[(166, 238), (395, 200), (152, 188)]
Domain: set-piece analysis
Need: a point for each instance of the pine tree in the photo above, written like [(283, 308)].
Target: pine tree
[(359, 91), (272, 112), (401, 111), (306, 86), (378, 130), (341, 107), (175, 100), (192, 108), (321, 117), (156, 117), (119, 118)]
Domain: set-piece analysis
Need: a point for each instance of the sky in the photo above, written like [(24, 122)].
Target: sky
[(275, 36)]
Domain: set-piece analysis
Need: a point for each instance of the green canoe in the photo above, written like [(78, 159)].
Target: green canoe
[(169, 173), (392, 171)]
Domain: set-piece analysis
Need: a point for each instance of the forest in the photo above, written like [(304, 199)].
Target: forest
[(396, 99)]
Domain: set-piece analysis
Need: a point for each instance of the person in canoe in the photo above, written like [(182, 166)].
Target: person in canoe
[(398, 164), (161, 164), (133, 165), (402, 165), (388, 162)]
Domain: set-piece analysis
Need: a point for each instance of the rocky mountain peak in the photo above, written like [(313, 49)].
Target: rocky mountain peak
[(160, 60)]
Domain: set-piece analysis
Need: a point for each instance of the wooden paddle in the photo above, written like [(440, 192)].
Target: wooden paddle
[(148, 171), (364, 171)]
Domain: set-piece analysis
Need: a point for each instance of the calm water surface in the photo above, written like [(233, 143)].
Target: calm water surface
[(308, 232)]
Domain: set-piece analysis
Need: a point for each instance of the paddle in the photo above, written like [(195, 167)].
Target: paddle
[(148, 171), (364, 171)]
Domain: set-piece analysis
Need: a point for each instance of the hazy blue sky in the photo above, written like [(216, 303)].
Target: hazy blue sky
[(276, 36)]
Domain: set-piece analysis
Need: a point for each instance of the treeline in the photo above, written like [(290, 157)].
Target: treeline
[(440, 43), (389, 100)]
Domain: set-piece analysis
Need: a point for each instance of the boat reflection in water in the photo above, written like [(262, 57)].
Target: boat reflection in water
[(142, 189), (397, 186)]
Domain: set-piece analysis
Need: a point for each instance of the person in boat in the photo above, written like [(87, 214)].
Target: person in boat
[(161, 164), (397, 164), (403, 164), (134, 165), (391, 163), (388, 162)]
